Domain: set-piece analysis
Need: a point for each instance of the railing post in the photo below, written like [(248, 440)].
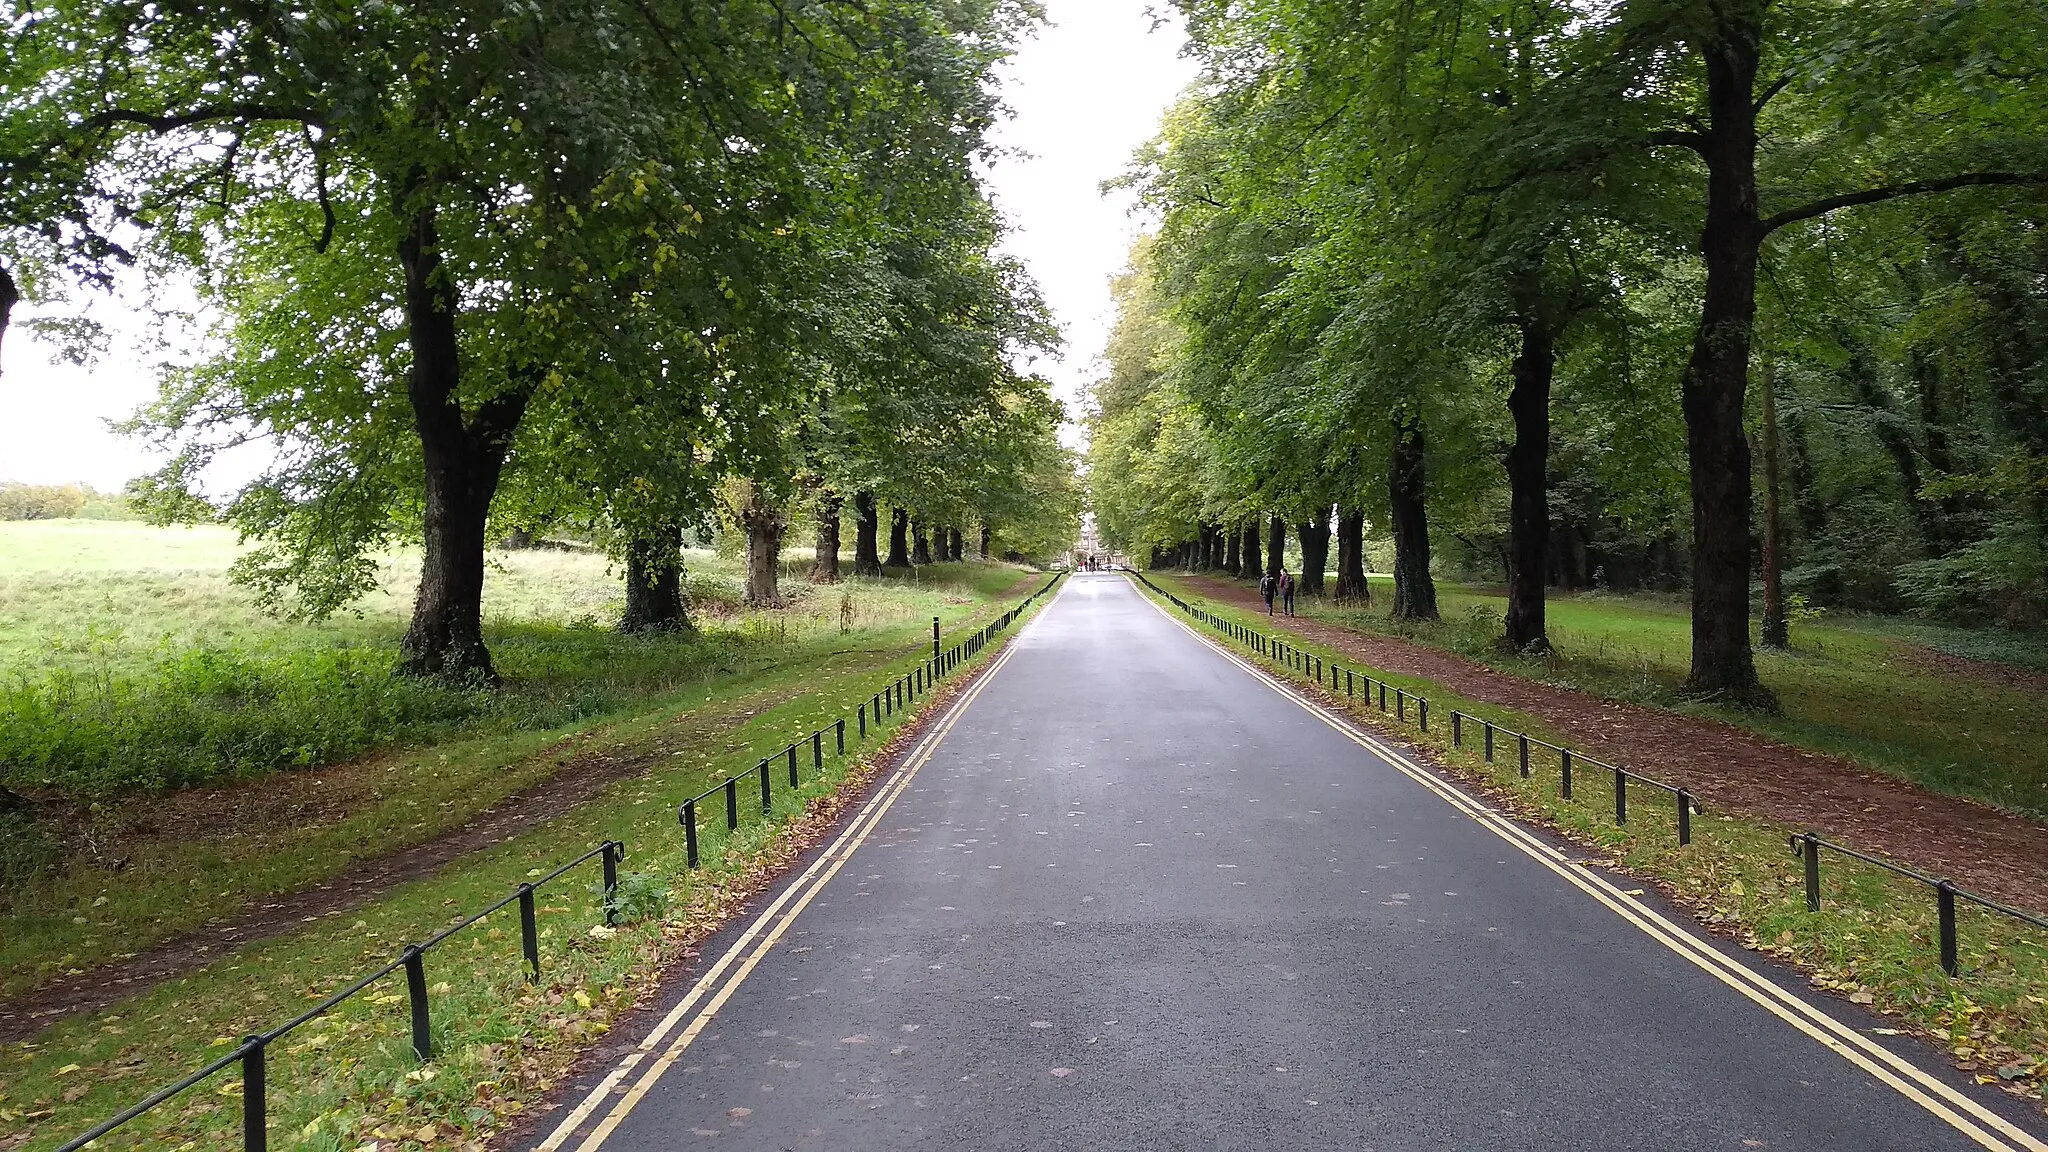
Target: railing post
[(1564, 758), (1383, 695), (839, 735), (1489, 740), (1620, 796), (255, 1113), (1457, 729), (1524, 736), (1684, 817), (688, 816), (1422, 712), (863, 715), (611, 883), (767, 801), (732, 803), (1945, 907), (935, 638), (416, 991), (1347, 684), (817, 756), (529, 932), (1811, 845), (1400, 704)]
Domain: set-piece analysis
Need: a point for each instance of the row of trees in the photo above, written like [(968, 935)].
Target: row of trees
[(1536, 274), (480, 267)]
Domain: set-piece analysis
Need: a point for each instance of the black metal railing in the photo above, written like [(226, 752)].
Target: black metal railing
[(1308, 664), (896, 696), (251, 1053)]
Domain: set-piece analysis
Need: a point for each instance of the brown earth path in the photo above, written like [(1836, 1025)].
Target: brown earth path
[(276, 801), (1984, 849)]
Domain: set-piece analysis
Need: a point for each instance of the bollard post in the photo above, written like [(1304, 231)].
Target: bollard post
[(1811, 846), (1620, 796), (839, 735), (1489, 740), (1684, 817), (416, 991), (935, 638), (1525, 754), (732, 803), (611, 883), (255, 1120), (1564, 758), (529, 932), (1945, 907), (689, 818), (1457, 730), (1422, 712), (767, 801)]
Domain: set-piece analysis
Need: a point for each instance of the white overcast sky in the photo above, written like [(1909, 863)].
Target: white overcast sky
[(1087, 90)]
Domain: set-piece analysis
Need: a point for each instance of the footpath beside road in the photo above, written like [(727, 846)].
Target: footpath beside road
[(1127, 894)]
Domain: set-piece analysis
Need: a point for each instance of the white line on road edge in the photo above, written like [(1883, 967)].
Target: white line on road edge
[(801, 891), (1888, 1067)]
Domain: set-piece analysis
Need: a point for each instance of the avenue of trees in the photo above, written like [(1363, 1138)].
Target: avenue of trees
[(475, 269), (1698, 293)]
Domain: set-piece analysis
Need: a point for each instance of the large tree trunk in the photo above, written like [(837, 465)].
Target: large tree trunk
[(920, 542), (1351, 583), (764, 524), (1276, 544), (825, 568), (654, 584), (1529, 487), (1776, 632), (956, 545), (1717, 375), (1414, 588), (899, 538), (1233, 556), (463, 459), (866, 559), (1315, 552), (9, 297), (986, 533), (1253, 566)]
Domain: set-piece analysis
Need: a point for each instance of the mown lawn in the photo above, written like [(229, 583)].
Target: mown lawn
[(1867, 688)]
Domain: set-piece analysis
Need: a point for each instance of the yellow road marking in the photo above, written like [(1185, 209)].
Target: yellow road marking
[(795, 897), (1839, 1038)]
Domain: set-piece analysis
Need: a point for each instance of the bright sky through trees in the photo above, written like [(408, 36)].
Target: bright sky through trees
[(1086, 91)]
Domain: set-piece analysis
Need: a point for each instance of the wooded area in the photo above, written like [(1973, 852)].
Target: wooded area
[(475, 271), (1554, 289)]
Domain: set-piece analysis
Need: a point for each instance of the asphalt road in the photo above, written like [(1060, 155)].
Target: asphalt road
[(1136, 898)]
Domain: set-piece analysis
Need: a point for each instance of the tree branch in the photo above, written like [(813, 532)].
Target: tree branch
[(1776, 87), (1894, 191), (1693, 140), (172, 121)]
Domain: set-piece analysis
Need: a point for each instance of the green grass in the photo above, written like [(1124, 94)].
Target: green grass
[(1874, 940), (1851, 687), (500, 1042), (128, 659)]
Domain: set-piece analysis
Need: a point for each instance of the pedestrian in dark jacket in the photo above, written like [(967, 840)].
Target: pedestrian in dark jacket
[(1267, 586), (1287, 592)]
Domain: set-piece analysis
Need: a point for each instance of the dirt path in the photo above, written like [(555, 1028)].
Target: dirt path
[(287, 799), (1734, 770)]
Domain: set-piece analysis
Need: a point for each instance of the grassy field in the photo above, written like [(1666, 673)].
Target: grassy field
[(1869, 688), (349, 1082), (128, 659), (1874, 942)]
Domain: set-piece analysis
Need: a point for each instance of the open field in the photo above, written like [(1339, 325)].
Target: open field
[(1908, 698)]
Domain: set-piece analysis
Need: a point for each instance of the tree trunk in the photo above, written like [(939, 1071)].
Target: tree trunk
[(1351, 582), (764, 524), (654, 584), (866, 560), (1717, 375), (825, 567), (1414, 589), (1253, 566), (956, 546), (9, 297), (985, 535), (1529, 487), (1276, 545), (1233, 562), (899, 538), (920, 543), (463, 459), (1315, 552), (1777, 633)]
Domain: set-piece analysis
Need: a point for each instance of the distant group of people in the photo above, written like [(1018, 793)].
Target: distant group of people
[(1281, 586)]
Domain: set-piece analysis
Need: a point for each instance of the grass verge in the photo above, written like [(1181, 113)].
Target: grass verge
[(1873, 942), (350, 1083)]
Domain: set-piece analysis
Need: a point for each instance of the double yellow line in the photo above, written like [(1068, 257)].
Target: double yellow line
[(1958, 1110), (639, 1069)]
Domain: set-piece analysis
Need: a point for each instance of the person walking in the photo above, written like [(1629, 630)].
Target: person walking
[(1267, 586), (1286, 592)]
